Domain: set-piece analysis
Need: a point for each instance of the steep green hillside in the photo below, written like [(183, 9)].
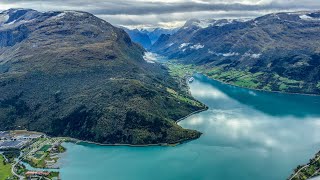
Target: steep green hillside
[(72, 74)]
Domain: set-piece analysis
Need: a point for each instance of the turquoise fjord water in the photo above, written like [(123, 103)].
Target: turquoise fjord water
[(247, 135)]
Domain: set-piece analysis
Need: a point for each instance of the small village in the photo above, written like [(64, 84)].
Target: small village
[(29, 155)]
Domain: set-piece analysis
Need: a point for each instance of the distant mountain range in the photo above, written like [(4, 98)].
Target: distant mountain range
[(69, 73), (147, 37), (275, 52)]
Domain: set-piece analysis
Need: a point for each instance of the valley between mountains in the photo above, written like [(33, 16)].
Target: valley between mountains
[(274, 52), (74, 76), (69, 73)]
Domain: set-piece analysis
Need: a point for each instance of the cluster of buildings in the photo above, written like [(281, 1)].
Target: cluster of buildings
[(38, 175), (10, 140)]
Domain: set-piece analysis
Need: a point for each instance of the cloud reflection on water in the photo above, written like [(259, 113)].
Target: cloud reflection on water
[(209, 92), (273, 104), (239, 125), (243, 136)]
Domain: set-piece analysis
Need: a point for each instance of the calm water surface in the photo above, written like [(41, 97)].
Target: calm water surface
[(247, 135)]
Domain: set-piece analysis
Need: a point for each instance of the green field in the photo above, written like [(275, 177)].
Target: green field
[(5, 169), (180, 70), (242, 78), (45, 148), (38, 155), (236, 77), (239, 78)]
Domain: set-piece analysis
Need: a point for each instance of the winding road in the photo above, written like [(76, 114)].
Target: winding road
[(14, 167)]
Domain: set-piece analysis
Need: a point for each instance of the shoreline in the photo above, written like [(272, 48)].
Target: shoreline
[(261, 90), (125, 145), (78, 141), (195, 71), (182, 141), (193, 113)]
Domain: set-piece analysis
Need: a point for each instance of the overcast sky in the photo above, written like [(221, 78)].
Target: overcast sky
[(165, 13)]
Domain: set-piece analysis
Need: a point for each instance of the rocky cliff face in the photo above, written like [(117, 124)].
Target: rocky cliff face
[(69, 73), (277, 52)]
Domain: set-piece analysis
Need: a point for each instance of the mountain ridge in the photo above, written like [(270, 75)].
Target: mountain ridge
[(69, 73), (275, 52)]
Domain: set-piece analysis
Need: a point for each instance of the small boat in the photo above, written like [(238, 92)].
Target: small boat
[(191, 80)]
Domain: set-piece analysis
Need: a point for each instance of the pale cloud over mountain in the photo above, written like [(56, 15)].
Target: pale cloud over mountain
[(165, 13)]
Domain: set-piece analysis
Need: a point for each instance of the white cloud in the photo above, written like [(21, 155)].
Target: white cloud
[(165, 13), (256, 129), (150, 57)]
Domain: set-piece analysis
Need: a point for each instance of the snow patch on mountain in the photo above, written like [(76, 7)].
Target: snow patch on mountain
[(75, 13), (59, 16), (254, 55), (65, 13), (229, 54), (208, 23), (204, 23), (308, 18), (12, 22), (184, 45), (4, 18), (169, 45), (223, 22), (305, 17), (210, 52), (197, 46)]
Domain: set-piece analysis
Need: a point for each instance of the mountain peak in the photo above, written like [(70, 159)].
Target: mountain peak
[(292, 17), (14, 15), (196, 24), (16, 10), (72, 13)]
